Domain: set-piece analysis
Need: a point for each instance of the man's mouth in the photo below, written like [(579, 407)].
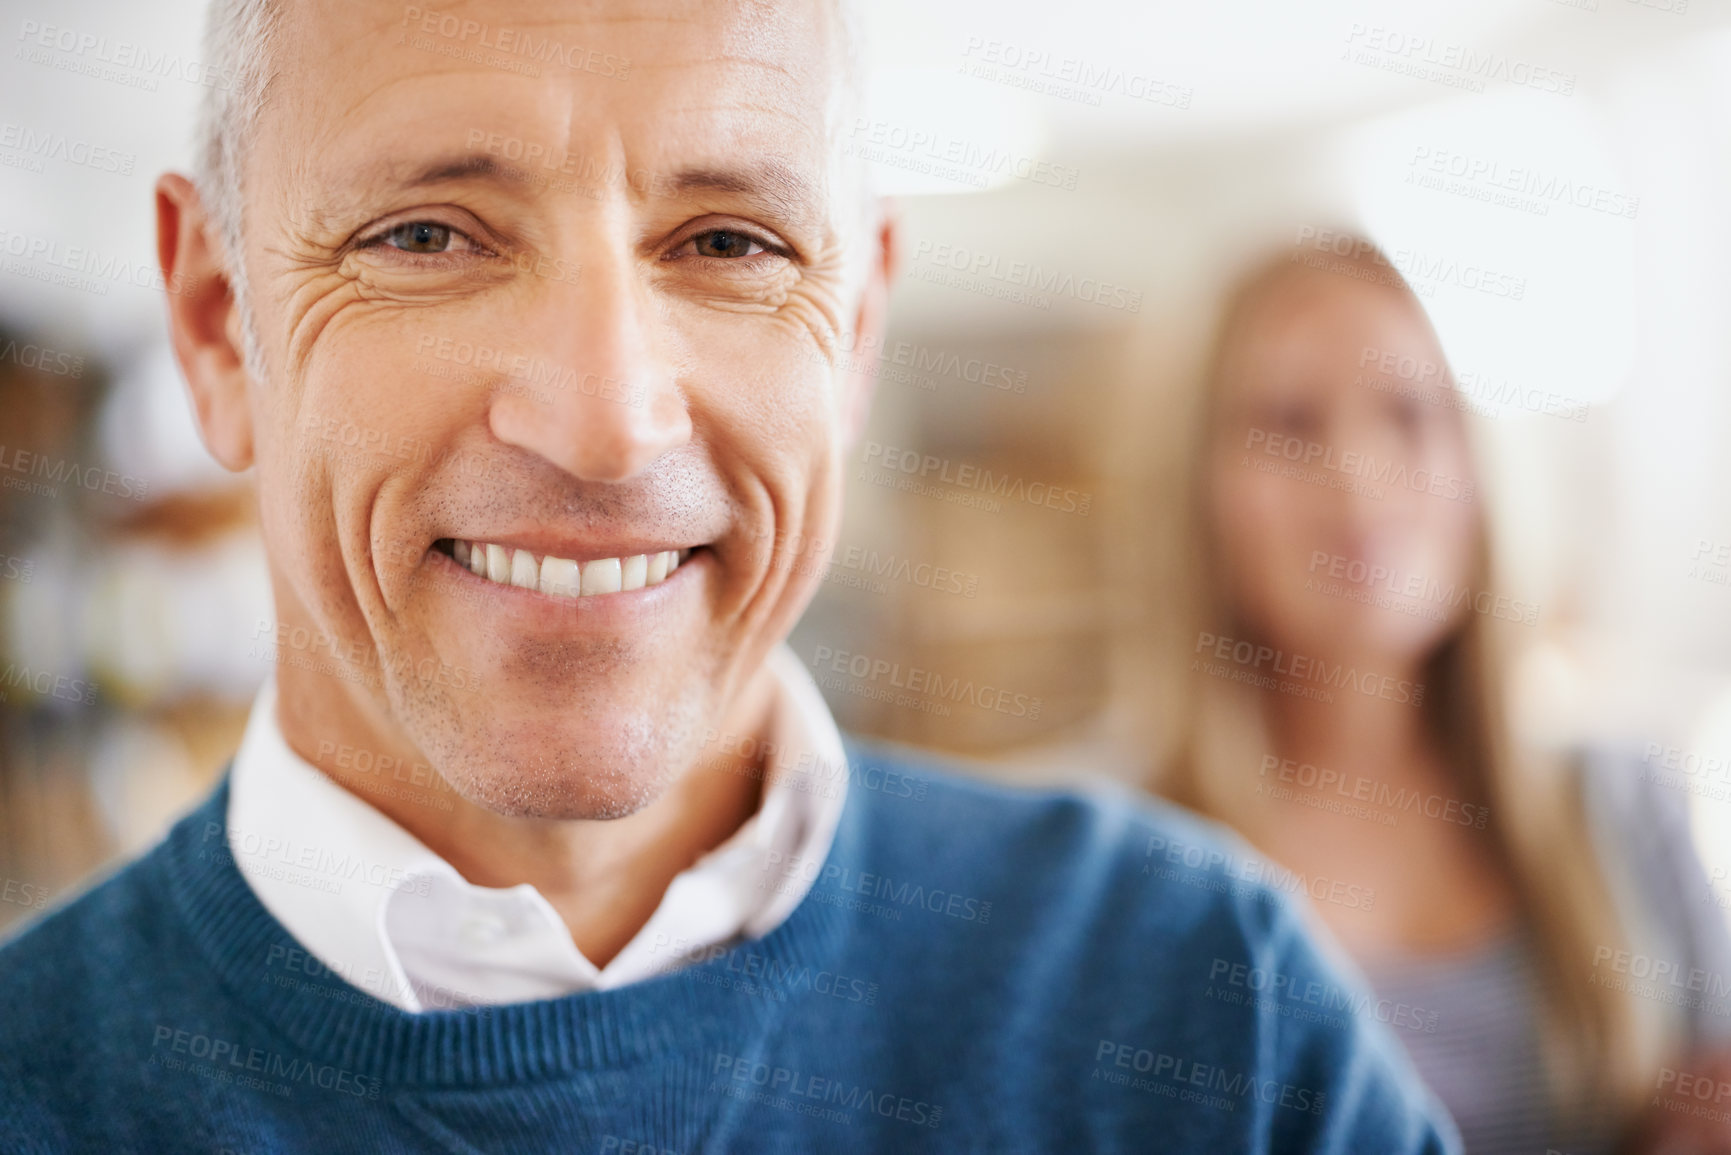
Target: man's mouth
[(558, 576)]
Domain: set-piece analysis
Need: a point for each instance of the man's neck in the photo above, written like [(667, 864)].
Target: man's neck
[(605, 877)]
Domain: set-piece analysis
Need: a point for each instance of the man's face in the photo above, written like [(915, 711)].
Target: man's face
[(565, 279)]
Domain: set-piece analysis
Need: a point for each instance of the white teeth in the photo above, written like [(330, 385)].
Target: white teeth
[(634, 572), (525, 574), (561, 577), (601, 576)]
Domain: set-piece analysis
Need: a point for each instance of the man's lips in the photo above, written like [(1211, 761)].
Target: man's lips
[(558, 576)]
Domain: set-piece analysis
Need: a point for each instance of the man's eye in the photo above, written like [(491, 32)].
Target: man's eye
[(421, 237), (726, 244)]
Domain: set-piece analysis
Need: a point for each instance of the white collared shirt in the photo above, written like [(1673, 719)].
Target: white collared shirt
[(372, 904)]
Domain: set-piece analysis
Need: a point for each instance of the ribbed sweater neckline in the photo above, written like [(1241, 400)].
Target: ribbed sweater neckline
[(328, 1020)]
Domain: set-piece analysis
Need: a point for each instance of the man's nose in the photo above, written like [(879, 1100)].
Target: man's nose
[(609, 405)]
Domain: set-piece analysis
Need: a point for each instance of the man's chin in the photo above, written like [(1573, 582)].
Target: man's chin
[(555, 749)]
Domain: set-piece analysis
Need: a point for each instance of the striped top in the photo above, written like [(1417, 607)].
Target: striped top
[(1476, 1040), (1477, 1046)]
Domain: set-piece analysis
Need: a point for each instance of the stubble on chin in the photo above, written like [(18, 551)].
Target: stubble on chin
[(597, 776)]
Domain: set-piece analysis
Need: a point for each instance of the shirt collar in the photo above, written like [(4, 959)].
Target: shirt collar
[(373, 904)]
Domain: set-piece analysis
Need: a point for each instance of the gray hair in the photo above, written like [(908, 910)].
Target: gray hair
[(238, 38)]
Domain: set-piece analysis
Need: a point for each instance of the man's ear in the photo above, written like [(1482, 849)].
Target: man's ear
[(868, 327), (203, 321)]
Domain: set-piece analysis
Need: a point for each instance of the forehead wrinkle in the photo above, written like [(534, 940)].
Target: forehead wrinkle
[(785, 77)]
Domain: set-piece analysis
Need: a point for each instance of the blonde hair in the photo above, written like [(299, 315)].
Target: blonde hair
[(1602, 1048)]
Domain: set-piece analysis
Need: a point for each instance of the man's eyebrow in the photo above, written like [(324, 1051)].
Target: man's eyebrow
[(778, 187), (775, 186), (389, 174), (461, 166), (350, 191)]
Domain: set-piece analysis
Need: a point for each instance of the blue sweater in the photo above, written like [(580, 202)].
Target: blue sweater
[(975, 969)]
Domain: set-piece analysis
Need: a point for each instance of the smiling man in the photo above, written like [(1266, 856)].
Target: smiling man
[(529, 318)]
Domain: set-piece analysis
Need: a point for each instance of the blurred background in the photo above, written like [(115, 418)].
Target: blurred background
[(1076, 190)]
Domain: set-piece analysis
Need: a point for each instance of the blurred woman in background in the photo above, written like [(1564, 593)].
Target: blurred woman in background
[(1345, 714)]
